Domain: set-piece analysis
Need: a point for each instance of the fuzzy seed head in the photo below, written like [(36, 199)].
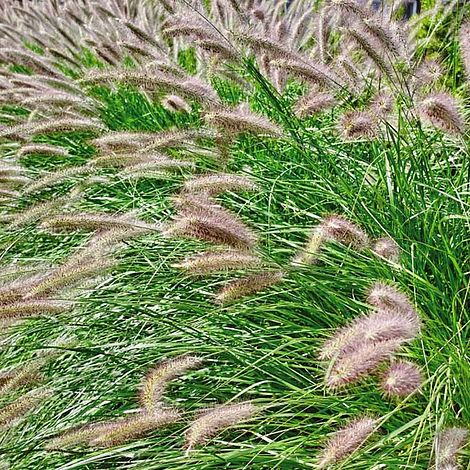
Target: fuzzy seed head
[(360, 361), (441, 111), (12, 413), (158, 378), (386, 297), (214, 421), (401, 379), (313, 103), (234, 121), (249, 285), (346, 441), (216, 261), (465, 47), (355, 125), (218, 183), (387, 248), (448, 444), (129, 429), (341, 230), (175, 104)]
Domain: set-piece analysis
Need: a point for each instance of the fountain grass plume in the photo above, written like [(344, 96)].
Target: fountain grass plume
[(227, 230), (56, 177), (360, 362), (200, 217), (401, 379), (128, 429), (447, 445), (465, 47), (67, 125), (216, 420), (69, 274), (338, 228), (387, 248), (91, 221), (313, 103), (157, 379), (33, 308), (43, 149), (218, 261), (241, 119), (249, 285), (441, 110), (346, 441), (12, 413), (387, 297), (175, 104), (217, 183), (42, 209), (154, 167), (355, 125)]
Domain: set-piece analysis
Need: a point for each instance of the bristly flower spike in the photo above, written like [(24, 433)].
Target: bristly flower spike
[(12, 413), (441, 111), (465, 47), (217, 261), (387, 248), (174, 104), (249, 285), (124, 430), (448, 444), (346, 441), (158, 378), (218, 183), (401, 379), (214, 421), (340, 229)]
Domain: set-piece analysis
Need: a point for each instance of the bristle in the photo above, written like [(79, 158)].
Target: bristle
[(387, 248), (346, 441), (249, 285), (217, 183), (217, 261), (217, 420), (158, 378), (441, 110), (401, 379)]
